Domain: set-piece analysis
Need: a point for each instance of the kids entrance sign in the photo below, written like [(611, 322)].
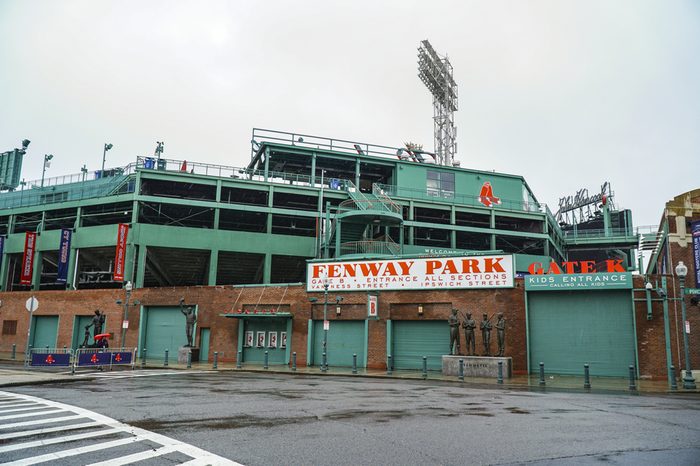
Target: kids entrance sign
[(579, 281), (471, 272)]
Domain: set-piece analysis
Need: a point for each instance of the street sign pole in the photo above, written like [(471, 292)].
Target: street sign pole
[(32, 305)]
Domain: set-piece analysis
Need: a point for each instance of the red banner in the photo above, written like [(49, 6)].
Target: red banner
[(120, 256), (28, 258)]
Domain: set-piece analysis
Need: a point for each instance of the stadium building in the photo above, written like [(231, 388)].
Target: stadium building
[(379, 241)]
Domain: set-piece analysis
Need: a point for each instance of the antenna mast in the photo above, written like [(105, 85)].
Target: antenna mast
[(436, 74)]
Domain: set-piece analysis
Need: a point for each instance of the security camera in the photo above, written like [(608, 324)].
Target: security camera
[(661, 292), (25, 143)]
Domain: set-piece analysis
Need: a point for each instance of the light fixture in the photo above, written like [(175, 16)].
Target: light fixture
[(681, 270), (25, 144), (420, 309), (337, 310), (649, 286), (688, 380)]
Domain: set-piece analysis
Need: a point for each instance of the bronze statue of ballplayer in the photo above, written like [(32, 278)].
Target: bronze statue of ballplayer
[(486, 327), (453, 322), (469, 325), (191, 319), (501, 333)]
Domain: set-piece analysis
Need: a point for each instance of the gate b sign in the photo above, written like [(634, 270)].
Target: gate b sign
[(471, 272)]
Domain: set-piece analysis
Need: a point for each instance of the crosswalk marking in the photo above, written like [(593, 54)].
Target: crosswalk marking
[(144, 455), (67, 438), (39, 421), (47, 430), (73, 452), (38, 413), (156, 445), (27, 408)]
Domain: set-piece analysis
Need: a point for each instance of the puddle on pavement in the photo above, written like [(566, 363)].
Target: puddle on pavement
[(233, 422)]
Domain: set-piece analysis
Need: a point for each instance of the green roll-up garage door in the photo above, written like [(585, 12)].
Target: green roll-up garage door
[(414, 339), (345, 337), (44, 331), (267, 325), (165, 329), (568, 329)]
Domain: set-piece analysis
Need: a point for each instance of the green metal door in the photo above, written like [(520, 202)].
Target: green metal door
[(265, 327), (165, 329), (345, 338), (44, 331), (204, 344), (568, 329), (414, 339), (79, 324)]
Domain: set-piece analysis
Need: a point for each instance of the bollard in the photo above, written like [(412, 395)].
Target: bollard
[(542, 382), (500, 373), (354, 363), (633, 386), (47, 348), (64, 348), (143, 358), (189, 359), (165, 361), (324, 364), (425, 367), (294, 361), (586, 377), (14, 351), (238, 360), (266, 360), (672, 369), (461, 370), (389, 365), (216, 360)]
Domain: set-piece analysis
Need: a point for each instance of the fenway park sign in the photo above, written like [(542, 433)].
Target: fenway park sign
[(470, 272)]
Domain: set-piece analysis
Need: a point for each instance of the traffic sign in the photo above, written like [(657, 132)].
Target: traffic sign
[(32, 304), (692, 291)]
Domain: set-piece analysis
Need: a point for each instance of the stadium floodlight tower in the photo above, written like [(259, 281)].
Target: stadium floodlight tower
[(436, 74)]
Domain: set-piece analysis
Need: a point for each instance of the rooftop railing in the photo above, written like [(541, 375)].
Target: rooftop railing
[(318, 142)]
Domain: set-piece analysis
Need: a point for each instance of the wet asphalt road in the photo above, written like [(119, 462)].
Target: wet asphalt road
[(261, 419)]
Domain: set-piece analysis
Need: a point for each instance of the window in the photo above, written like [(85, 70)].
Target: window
[(440, 184), (9, 327)]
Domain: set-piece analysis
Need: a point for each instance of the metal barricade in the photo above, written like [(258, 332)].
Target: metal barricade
[(50, 357), (99, 357)]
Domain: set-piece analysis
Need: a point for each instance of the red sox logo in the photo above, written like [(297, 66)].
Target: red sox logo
[(486, 196), (93, 359), (50, 360)]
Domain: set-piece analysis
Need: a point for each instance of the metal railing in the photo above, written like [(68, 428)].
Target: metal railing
[(261, 135), (380, 194), (598, 233), (462, 199), (370, 247)]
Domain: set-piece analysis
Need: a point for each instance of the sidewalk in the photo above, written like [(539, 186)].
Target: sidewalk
[(13, 373)]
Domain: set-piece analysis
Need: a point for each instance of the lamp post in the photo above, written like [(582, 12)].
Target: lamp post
[(688, 380), (104, 156), (47, 163), (127, 287), (324, 366)]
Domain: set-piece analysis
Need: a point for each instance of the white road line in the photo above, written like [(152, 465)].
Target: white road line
[(15, 405), (138, 433), (28, 408), (144, 455), (74, 451), (39, 413), (64, 439), (40, 421), (48, 430)]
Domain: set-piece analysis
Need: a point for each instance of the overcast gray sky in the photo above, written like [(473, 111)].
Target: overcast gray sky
[(567, 94)]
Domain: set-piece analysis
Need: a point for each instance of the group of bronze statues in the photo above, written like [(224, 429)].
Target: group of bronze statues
[(469, 326)]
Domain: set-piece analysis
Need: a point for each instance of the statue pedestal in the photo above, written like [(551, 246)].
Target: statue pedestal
[(477, 366), (182, 354)]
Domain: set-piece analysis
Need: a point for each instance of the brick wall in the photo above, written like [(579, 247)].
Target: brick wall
[(394, 305)]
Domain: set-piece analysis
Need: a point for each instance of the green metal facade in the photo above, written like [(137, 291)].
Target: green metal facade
[(259, 225), (44, 331), (345, 338), (568, 329), (164, 329), (411, 340)]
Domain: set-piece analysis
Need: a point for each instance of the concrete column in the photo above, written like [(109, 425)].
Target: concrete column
[(213, 266), (267, 268)]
